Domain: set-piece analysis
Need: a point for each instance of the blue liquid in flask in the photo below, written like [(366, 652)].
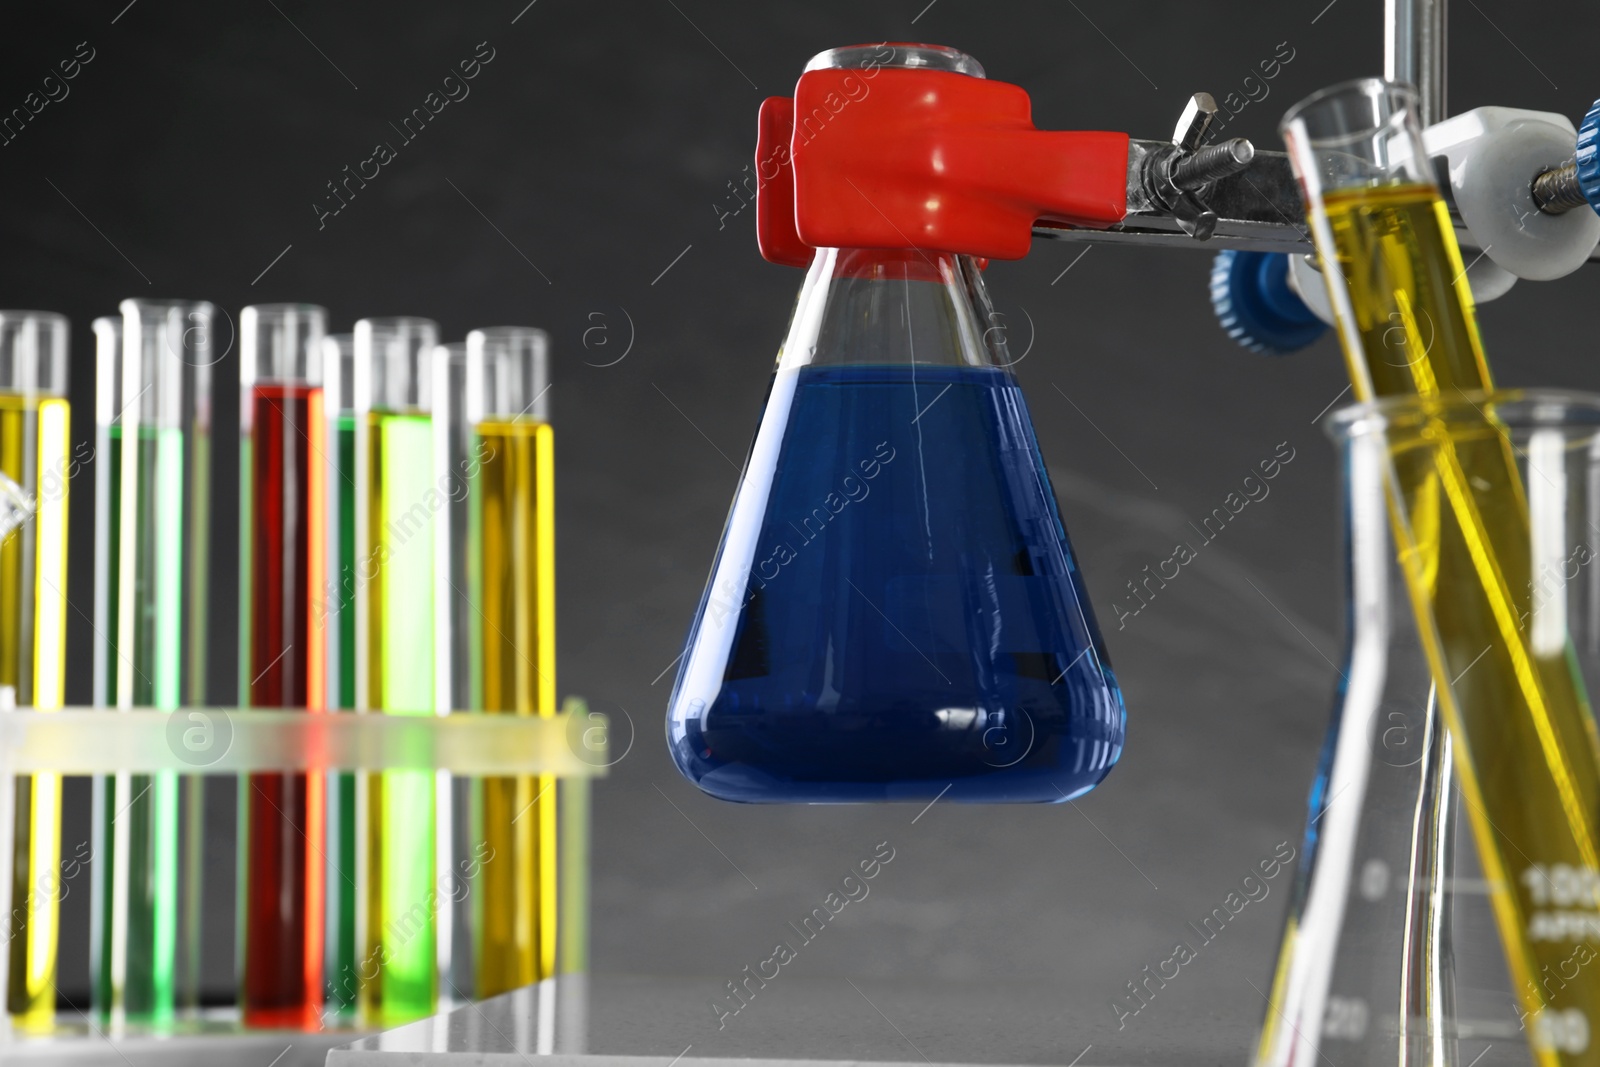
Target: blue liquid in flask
[(895, 612)]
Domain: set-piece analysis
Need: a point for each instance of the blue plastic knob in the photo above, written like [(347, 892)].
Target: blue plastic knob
[(1251, 295), (1589, 156)]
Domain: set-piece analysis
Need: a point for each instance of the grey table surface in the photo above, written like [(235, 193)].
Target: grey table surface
[(660, 1020)]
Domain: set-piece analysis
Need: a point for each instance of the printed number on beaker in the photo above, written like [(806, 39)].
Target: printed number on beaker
[(1562, 884), (1561, 1031)]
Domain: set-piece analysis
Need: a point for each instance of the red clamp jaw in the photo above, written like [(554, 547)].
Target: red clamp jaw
[(880, 156)]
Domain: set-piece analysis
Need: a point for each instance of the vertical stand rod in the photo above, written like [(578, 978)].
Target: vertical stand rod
[(1414, 51)]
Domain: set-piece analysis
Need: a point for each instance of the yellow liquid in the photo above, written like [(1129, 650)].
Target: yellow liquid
[(1514, 702), (34, 437), (513, 542)]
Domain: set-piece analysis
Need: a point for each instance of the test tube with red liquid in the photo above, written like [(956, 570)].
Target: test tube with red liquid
[(283, 467)]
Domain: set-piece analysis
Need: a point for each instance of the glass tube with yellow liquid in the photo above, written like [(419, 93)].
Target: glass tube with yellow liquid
[(396, 504), (511, 565), (34, 459), (1507, 686)]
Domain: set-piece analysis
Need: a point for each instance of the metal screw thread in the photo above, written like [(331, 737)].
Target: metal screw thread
[(1212, 162), (1557, 190)]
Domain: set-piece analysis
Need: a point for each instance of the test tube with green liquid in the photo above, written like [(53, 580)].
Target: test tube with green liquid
[(152, 553), (338, 630), (396, 503)]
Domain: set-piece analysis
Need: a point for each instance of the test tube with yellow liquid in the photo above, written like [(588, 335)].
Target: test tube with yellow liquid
[(1506, 682), (396, 504), (511, 571), (35, 461)]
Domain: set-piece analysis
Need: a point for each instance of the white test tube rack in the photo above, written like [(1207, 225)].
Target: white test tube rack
[(570, 746)]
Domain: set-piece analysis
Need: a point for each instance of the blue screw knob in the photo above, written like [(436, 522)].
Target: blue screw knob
[(1251, 295), (1576, 183), (1588, 161)]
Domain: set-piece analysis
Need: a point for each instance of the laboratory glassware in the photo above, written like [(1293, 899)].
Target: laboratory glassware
[(396, 503), (1389, 953), (895, 611), (337, 629), (283, 470), (452, 675), (107, 554), (152, 557), (511, 564), (1465, 526), (35, 427)]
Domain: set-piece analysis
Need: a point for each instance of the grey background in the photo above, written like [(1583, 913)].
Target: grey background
[(597, 145)]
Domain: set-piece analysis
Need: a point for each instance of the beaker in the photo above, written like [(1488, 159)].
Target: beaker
[(1390, 954), (895, 611), (1465, 507), (151, 587), (34, 441)]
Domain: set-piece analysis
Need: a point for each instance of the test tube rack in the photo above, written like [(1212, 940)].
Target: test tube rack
[(569, 746)]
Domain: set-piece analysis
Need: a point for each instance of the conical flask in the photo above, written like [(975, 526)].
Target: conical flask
[(895, 612), (1391, 953)]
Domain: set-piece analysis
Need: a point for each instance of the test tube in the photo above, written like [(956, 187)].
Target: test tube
[(1468, 533), (284, 463), (34, 456), (108, 404), (396, 502), (511, 547), (453, 610), (339, 631), (152, 552)]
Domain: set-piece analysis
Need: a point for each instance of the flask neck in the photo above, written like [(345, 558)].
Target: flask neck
[(894, 306)]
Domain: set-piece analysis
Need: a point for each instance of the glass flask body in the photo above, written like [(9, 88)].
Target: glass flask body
[(895, 612), (1391, 952), (1366, 970)]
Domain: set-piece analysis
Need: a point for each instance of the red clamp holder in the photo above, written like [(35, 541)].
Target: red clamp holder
[(924, 159)]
